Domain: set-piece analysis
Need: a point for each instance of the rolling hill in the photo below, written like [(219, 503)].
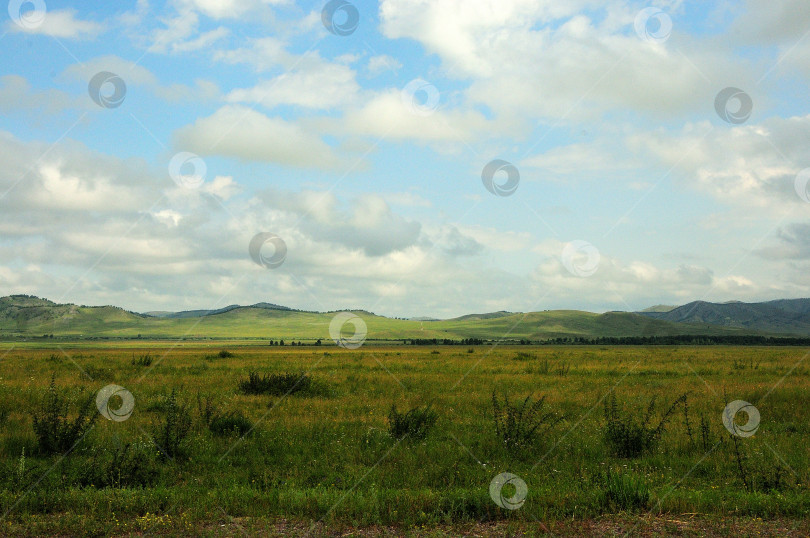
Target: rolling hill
[(786, 316), (27, 316)]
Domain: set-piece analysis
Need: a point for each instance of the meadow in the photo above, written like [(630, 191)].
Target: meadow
[(209, 448)]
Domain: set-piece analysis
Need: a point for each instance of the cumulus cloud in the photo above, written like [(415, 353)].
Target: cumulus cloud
[(17, 95), (390, 115), (634, 284), (550, 60), (749, 165), (322, 87), (599, 100), (244, 133), (60, 23)]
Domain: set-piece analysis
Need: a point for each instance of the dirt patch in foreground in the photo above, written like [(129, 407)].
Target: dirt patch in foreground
[(683, 525)]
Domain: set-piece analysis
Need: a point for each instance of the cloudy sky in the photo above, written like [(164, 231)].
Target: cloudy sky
[(409, 157)]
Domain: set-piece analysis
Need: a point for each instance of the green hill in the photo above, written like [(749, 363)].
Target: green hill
[(26, 316)]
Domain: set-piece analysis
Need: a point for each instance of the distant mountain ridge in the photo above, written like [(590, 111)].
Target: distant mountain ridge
[(23, 316), (789, 316), (488, 315), (200, 313), (660, 308)]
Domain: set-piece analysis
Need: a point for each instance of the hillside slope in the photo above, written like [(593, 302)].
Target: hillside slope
[(23, 316), (788, 316)]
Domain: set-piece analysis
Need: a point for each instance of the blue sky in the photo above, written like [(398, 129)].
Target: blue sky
[(633, 190)]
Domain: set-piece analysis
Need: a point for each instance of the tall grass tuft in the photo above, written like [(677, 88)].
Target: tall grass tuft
[(624, 492), (415, 424), (279, 384)]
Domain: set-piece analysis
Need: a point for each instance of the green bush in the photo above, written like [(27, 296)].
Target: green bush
[(278, 384), (223, 354), (628, 437), (142, 360), (173, 429), (233, 422), (517, 426), (415, 424), (56, 434), (124, 466)]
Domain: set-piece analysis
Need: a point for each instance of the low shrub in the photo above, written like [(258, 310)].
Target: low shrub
[(142, 360), (518, 425), (628, 437), (415, 424), (279, 384), (233, 422), (55, 432), (223, 354), (173, 429), (130, 465)]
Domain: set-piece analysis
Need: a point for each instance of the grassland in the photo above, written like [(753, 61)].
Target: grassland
[(72, 322), (325, 457)]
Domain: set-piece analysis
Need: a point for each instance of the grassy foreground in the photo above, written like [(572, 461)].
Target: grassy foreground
[(324, 456)]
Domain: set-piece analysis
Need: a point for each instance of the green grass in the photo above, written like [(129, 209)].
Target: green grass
[(248, 322), (331, 457)]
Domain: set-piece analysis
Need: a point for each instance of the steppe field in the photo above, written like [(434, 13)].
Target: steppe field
[(193, 446)]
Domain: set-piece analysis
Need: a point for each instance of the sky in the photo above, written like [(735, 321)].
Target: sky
[(406, 157)]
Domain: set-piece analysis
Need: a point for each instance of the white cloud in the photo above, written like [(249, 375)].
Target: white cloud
[(262, 54), (241, 132), (17, 95), (387, 115), (548, 60), (632, 285), (751, 165), (322, 86), (227, 9), (223, 187), (578, 159), (204, 40), (61, 23), (382, 63)]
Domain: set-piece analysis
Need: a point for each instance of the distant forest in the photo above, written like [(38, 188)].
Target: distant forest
[(674, 340)]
